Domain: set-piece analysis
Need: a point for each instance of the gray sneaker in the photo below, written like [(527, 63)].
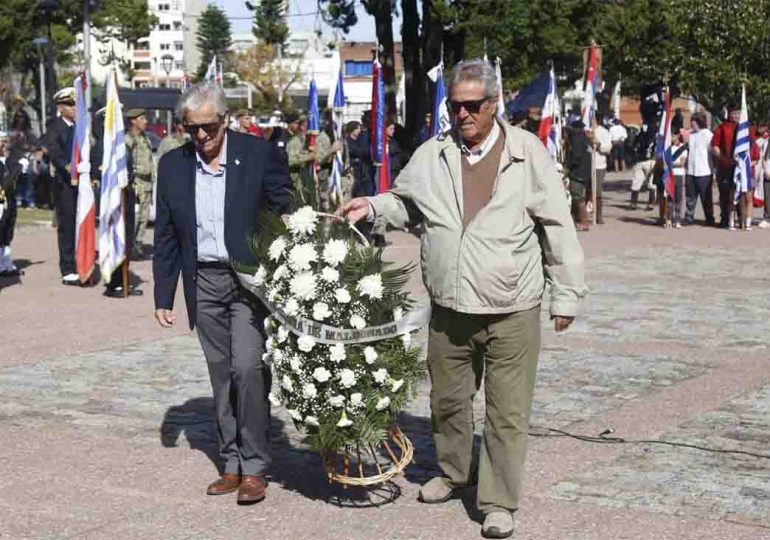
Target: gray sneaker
[(497, 525), (436, 490)]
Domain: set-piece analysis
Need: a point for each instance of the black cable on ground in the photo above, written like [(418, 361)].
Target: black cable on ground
[(604, 438)]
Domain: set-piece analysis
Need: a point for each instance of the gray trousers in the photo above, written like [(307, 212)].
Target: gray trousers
[(230, 330)]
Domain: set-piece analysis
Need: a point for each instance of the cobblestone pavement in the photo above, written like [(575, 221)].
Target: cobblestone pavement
[(109, 432)]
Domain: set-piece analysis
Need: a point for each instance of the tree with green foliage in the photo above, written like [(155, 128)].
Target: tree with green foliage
[(270, 23), (213, 37), (339, 14)]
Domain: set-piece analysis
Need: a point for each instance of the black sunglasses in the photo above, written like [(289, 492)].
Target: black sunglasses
[(471, 107), (210, 128)]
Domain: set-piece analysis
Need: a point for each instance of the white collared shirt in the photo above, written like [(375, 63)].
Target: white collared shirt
[(474, 156), (210, 207)]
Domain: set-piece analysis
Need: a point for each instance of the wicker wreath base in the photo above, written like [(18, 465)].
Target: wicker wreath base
[(366, 463)]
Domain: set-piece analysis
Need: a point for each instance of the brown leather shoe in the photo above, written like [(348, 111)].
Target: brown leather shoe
[(227, 484), (252, 489)]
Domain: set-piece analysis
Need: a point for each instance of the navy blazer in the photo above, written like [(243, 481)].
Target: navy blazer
[(256, 174)]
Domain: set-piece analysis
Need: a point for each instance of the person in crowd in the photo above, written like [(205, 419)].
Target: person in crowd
[(10, 172), (245, 123), (578, 165), (397, 157), (602, 143), (618, 136), (722, 148), (762, 170), (485, 259), (424, 134), (677, 121), (359, 152), (21, 148), (300, 155), (178, 137), (644, 166), (210, 194), (58, 142), (698, 184), (326, 146), (143, 173), (672, 214)]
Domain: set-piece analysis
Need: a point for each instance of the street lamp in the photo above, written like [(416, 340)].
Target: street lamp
[(41, 43), (167, 62)]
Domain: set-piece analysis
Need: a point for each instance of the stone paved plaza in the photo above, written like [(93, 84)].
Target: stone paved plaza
[(106, 427)]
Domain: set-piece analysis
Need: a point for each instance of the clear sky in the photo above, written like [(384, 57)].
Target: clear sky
[(303, 16)]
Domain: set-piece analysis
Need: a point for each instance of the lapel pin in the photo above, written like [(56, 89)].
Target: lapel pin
[(237, 161)]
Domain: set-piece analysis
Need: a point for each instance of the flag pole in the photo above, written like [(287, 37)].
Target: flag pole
[(124, 266)]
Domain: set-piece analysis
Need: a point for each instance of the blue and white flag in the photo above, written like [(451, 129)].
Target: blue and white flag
[(338, 106), (313, 118), (112, 228), (742, 153), (440, 121)]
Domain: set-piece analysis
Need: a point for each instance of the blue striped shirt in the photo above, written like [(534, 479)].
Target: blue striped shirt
[(210, 208)]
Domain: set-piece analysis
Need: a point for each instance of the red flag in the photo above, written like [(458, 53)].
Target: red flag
[(85, 231)]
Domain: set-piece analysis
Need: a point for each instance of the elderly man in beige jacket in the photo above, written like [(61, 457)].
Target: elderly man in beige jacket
[(496, 231)]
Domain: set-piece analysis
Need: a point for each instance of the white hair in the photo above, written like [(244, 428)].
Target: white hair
[(477, 70), (199, 95)]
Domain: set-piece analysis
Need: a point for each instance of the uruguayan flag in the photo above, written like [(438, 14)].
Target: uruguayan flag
[(742, 154), (112, 229)]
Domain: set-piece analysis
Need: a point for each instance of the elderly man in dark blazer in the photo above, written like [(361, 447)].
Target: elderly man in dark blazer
[(210, 193)]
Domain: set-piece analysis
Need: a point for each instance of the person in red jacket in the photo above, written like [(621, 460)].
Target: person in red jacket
[(722, 147)]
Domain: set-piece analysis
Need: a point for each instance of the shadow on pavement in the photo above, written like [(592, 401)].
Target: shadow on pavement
[(195, 419), (21, 264)]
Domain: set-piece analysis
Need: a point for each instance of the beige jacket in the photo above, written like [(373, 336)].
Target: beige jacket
[(523, 238)]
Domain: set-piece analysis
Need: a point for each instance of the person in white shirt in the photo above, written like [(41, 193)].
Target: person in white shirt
[(762, 182), (603, 144), (699, 170), (679, 159), (618, 136)]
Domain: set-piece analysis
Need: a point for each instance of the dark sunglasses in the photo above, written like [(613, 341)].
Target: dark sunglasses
[(471, 107), (210, 129)]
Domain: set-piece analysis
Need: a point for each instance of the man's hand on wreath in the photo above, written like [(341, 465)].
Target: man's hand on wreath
[(355, 210), (561, 323)]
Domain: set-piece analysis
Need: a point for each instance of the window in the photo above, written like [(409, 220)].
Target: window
[(177, 25), (178, 46), (142, 46), (178, 65), (358, 68), (142, 66), (163, 7), (165, 46), (164, 27)]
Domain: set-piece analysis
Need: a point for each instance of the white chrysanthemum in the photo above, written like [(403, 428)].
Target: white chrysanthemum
[(282, 335), (397, 385), (270, 344), (295, 363), (311, 420), (406, 340), (277, 355), (274, 400), (309, 390), (344, 421), (370, 355), (371, 286), (357, 322), (302, 222), (335, 252), (294, 413), (305, 343), (398, 314), (303, 286), (382, 404), (276, 248), (280, 272), (287, 384), (259, 276), (380, 376), (347, 378), (273, 295), (267, 357), (342, 296), (337, 401), (356, 400), (321, 311), (330, 275), (291, 308), (337, 352), (301, 255), (321, 374), (269, 326)]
